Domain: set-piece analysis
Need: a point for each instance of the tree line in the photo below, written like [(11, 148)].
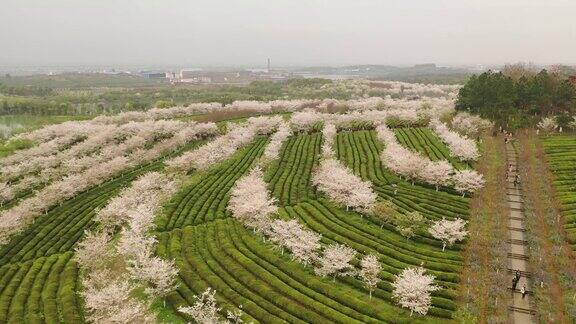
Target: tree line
[(513, 99)]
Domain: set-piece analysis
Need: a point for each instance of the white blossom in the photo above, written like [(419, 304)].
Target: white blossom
[(335, 261), (412, 290), (94, 250), (448, 231), (250, 201), (304, 244), (329, 135), (468, 181), (460, 146), (548, 124), (272, 150), (205, 310), (342, 186), (470, 125), (370, 272)]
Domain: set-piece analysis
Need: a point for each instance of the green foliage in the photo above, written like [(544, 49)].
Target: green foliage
[(211, 249), (164, 104), (315, 83), (205, 196), (423, 140), (518, 102), (270, 286), (36, 266), (561, 157), (289, 179), (14, 145), (40, 290), (406, 224), (32, 90)]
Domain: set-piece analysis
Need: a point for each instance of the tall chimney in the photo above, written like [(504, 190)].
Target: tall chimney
[(268, 65)]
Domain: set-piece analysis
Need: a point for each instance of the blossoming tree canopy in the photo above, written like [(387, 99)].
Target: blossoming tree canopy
[(412, 288), (342, 186)]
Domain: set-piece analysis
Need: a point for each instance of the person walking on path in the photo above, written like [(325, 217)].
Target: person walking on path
[(514, 283), (523, 291)]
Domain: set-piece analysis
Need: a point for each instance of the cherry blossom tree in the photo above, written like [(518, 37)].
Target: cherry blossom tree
[(328, 134), (448, 231), (13, 220), (272, 150), (342, 186), (137, 203), (235, 316), (6, 193), (133, 210), (108, 300), (205, 310), (412, 290), (225, 145), (94, 250), (265, 125), (548, 124), (460, 146), (304, 244), (468, 181), (335, 261), (250, 201), (370, 272), (410, 164), (438, 173), (160, 275), (470, 125), (305, 120)]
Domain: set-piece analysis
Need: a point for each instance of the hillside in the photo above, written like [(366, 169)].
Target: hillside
[(308, 210)]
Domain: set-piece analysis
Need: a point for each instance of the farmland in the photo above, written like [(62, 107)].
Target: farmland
[(42, 280), (561, 156), (300, 211), (253, 274)]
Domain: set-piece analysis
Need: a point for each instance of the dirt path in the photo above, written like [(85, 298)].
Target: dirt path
[(521, 308)]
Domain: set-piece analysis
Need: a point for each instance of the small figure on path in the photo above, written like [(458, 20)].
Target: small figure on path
[(517, 274), (517, 180), (514, 283), (523, 291), (395, 188)]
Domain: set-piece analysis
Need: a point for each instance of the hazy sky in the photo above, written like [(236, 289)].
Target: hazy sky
[(290, 32)]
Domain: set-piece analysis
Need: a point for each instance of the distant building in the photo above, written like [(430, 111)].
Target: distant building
[(153, 75)]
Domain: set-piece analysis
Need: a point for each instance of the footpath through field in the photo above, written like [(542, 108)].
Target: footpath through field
[(521, 307)]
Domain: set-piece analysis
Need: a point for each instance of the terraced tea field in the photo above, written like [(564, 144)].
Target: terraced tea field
[(211, 249), (561, 156), (145, 243), (39, 279)]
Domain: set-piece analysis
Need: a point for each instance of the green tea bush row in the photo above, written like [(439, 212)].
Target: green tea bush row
[(208, 194), (40, 291), (289, 179), (561, 157)]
